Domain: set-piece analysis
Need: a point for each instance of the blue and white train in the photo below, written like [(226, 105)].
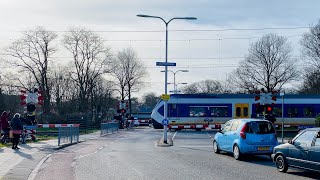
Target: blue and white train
[(199, 111)]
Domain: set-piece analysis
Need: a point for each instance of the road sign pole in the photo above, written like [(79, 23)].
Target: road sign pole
[(282, 124), (165, 131)]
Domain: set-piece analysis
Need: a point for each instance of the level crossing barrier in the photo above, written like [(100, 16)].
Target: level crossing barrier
[(68, 135), (110, 127)]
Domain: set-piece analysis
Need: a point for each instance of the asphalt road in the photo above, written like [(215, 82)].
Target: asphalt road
[(134, 155)]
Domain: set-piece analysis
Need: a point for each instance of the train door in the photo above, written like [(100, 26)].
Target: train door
[(241, 111)]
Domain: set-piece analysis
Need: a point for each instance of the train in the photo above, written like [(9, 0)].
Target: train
[(200, 111)]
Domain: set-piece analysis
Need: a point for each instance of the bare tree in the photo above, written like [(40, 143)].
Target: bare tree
[(311, 82), (311, 45), (205, 87), (62, 86), (269, 65), (129, 71), (90, 57), (150, 100), (32, 53)]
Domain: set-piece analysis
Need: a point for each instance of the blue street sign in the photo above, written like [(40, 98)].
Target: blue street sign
[(165, 122), (165, 64)]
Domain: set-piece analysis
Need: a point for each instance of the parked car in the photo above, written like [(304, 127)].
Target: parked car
[(246, 136), (303, 152)]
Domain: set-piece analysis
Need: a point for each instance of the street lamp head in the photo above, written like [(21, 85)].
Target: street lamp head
[(142, 15), (190, 18), (184, 83), (184, 70)]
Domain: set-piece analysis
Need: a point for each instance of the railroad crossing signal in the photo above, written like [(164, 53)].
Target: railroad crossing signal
[(265, 98)]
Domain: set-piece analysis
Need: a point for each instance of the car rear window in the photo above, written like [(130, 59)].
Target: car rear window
[(260, 127)]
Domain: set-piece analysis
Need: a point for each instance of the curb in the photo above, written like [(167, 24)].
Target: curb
[(66, 145), (34, 172), (169, 143)]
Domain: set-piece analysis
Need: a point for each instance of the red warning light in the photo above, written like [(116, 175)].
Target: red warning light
[(269, 108)]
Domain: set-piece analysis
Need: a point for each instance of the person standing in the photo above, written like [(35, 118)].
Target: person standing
[(16, 127), (4, 122)]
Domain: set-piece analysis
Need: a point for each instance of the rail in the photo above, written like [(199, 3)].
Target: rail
[(109, 128), (68, 135)]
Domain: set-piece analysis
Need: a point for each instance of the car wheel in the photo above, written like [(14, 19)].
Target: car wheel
[(216, 147), (281, 163), (236, 152)]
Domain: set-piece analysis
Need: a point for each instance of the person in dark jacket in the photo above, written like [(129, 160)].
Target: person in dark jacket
[(16, 127), (4, 121)]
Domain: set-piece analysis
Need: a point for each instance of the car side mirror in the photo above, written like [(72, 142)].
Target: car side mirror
[(220, 131), (290, 141)]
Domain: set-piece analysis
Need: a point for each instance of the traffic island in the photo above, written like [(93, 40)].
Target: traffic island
[(162, 144)]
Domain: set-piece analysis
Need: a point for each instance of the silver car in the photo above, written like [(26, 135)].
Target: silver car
[(302, 152)]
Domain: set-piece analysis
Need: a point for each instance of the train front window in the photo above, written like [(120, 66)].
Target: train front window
[(218, 111), (198, 111)]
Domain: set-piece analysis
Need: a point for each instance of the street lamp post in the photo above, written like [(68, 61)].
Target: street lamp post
[(174, 77), (165, 132)]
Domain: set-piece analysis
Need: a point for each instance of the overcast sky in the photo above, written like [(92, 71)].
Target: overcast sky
[(206, 54)]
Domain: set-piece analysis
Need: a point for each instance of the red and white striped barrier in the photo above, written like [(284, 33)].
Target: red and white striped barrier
[(140, 121), (57, 125), (285, 125), (195, 126)]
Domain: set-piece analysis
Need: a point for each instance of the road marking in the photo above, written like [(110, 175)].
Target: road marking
[(174, 135), (195, 146), (209, 135)]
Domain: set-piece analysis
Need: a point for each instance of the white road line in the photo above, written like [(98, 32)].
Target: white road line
[(195, 146), (174, 135), (209, 135)]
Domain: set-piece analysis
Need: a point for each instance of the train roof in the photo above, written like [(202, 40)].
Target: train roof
[(234, 96)]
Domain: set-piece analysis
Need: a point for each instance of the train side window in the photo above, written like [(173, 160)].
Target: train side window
[(245, 111), (277, 111), (308, 112), (198, 111), (238, 111), (218, 111), (292, 112)]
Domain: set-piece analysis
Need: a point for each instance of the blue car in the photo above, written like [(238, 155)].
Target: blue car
[(246, 136)]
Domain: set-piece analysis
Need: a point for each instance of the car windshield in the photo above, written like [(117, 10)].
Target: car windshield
[(260, 127)]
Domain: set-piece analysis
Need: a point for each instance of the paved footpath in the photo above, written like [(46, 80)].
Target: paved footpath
[(19, 164)]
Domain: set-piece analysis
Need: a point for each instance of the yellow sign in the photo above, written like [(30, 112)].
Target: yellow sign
[(165, 97)]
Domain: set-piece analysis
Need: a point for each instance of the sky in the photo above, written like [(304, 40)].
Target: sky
[(209, 48)]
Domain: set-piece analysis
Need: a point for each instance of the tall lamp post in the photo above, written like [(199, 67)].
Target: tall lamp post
[(282, 109), (166, 67), (174, 77)]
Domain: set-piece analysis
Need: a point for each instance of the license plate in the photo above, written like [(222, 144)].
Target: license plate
[(263, 148)]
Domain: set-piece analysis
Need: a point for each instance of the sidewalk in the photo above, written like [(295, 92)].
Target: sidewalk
[(33, 152)]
